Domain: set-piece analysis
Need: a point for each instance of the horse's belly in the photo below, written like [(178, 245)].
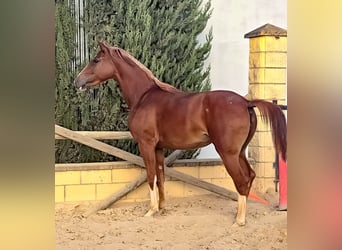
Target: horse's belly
[(184, 142)]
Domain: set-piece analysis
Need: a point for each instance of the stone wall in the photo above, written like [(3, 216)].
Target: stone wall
[(96, 181)]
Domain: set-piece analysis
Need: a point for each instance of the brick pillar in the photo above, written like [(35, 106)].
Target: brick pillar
[(267, 80)]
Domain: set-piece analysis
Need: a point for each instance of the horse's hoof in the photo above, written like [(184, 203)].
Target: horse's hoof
[(150, 213), (239, 224), (161, 205)]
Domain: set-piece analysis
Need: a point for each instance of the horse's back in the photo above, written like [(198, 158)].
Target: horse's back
[(182, 104)]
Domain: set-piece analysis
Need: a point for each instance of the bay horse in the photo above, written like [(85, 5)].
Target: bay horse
[(162, 116)]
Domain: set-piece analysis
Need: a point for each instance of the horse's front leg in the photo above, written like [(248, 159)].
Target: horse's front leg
[(160, 176), (148, 154)]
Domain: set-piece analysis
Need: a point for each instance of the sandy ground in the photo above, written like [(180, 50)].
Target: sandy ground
[(200, 222)]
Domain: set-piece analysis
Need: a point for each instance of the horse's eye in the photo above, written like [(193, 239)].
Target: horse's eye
[(96, 60)]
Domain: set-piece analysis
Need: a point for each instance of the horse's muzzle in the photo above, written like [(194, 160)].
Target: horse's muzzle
[(80, 83)]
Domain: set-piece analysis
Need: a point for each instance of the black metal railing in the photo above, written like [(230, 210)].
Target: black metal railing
[(276, 163)]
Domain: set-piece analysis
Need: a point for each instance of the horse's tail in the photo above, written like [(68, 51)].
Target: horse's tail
[(273, 115)]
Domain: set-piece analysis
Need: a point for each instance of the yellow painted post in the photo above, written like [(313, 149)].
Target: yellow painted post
[(267, 80)]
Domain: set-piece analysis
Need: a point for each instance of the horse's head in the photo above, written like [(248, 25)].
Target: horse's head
[(98, 70)]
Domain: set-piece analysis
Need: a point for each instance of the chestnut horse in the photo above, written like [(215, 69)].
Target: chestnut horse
[(162, 116)]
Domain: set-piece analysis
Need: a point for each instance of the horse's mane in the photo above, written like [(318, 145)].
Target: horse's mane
[(134, 62)]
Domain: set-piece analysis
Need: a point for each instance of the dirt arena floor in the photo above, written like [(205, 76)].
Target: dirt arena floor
[(200, 222)]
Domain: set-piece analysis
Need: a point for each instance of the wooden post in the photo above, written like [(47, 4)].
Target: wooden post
[(267, 80)]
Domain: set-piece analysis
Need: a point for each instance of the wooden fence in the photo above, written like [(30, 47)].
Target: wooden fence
[(91, 139)]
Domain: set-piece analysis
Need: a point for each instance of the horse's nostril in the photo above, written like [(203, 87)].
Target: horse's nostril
[(80, 83)]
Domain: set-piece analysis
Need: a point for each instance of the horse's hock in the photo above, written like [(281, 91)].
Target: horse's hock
[(267, 80)]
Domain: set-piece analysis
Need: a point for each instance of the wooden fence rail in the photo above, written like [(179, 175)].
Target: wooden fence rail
[(101, 135)]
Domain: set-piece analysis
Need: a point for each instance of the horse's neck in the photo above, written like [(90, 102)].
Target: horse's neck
[(133, 85)]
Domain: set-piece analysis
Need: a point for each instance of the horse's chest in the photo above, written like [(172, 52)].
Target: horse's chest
[(142, 122)]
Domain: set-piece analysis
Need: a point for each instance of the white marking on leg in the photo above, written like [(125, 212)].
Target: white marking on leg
[(241, 212), (155, 194), (154, 198)]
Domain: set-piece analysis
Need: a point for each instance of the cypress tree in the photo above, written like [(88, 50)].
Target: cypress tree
[(65, 98), (160, 34)]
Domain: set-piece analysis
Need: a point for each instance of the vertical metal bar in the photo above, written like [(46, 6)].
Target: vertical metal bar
[(276, 163), (85, 57), (79, 33), (281, 175)]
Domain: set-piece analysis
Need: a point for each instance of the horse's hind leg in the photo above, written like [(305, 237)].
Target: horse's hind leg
[(241, 179), (243, 160), (247, 168), (233, 160), (241, 214), (248, 171), (149, 156)]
